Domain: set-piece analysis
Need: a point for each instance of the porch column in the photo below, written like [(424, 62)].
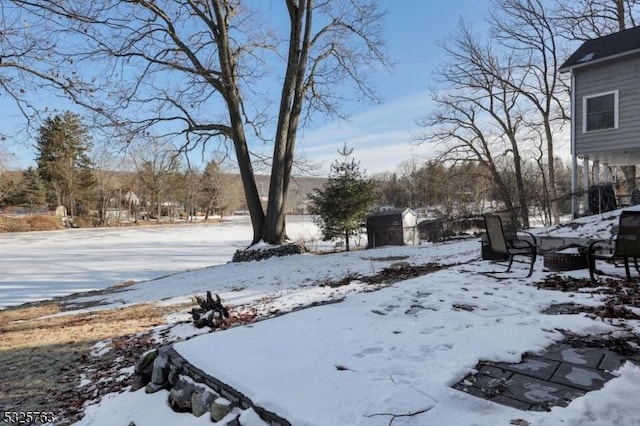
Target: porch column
[(574, 187), (585, 185), (574, 157)]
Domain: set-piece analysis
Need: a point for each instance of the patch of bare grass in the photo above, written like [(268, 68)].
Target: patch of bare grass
[(52, 223), (43, 358), (30, 223), (43, 223), (10, 224)]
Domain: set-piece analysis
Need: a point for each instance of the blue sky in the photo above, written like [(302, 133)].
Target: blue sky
[(381, 134)]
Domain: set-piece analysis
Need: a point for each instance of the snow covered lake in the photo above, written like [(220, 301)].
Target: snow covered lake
[(43, 265)]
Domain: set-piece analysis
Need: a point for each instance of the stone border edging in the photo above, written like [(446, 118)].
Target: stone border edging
[(236, 398)]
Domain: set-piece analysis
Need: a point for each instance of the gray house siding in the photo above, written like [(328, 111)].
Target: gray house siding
[(623, 75), (603, 65)]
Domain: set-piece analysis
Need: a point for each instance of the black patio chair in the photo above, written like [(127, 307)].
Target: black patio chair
[(625, 245), (509, 244)]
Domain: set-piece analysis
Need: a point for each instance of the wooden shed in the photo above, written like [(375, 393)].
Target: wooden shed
[(392, 228)]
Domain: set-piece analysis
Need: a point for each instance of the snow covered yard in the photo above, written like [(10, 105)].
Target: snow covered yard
[(376, 354)]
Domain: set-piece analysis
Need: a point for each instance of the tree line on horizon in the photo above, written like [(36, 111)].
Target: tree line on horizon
[(159, 183)]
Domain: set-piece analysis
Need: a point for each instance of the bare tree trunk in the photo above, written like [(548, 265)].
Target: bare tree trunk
[(250, 189), (552, 187), (290, 109), (620, 13), (522, 193), (504, 193), (526, 25), (229, 90)]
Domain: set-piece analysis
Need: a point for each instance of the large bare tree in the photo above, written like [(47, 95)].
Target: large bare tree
[(514, 81), (526, 28), (478, 117), (205, 69)]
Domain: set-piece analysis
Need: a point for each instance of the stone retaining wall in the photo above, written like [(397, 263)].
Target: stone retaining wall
[(267, 252), (194, 391)]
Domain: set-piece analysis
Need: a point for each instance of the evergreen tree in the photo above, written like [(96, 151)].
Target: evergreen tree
[(63, 146), (7, 185), (33, 192), (210, 186), (7, 190), (344, 203)]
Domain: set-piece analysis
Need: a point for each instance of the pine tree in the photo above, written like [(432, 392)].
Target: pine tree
[(344, 203), (63, 145), (33, 192), (210, 186), (8, 189)]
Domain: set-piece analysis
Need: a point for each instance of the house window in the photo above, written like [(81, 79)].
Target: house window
[(600, 111)]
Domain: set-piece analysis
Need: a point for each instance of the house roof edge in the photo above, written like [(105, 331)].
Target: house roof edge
[(565, 69)]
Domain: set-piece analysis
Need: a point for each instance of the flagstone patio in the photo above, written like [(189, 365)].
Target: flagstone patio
[(554, 378)]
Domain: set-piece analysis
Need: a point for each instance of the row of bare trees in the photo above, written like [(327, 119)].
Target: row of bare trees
[(154, 180), (500, 101), (157, 180), (466, 190)]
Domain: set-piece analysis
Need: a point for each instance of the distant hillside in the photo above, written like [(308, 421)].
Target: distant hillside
[(299, 188)]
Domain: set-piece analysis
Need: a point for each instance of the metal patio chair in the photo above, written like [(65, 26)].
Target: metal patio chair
[(509, 244), (625, 245)]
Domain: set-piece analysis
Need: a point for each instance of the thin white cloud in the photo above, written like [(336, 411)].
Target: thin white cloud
[(382, 137), (378, 159)]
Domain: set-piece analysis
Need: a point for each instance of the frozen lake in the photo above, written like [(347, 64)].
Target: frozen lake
[(43, 265)]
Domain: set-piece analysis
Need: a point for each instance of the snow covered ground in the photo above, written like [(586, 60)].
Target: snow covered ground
[(395, 350)]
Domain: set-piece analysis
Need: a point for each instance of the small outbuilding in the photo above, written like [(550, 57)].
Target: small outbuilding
[(392, 228)]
